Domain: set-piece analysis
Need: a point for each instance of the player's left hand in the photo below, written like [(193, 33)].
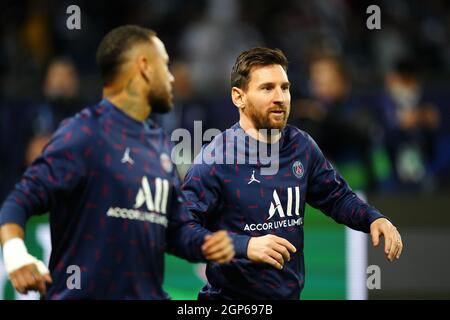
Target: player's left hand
[(393, 244), (218, 247)]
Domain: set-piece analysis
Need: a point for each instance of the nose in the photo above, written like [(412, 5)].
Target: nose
[(171, 78), (279, 96)]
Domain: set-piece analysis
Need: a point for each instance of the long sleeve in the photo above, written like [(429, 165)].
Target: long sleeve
[(185, 236), (51, 177), (202, 191), (329, 192)]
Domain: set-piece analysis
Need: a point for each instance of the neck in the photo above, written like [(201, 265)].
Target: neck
[(129, 100), (265, 136)]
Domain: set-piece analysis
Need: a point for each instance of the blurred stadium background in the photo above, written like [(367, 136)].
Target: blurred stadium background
[(377, 102)]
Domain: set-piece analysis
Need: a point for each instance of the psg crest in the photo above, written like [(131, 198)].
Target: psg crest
[(297, 169)]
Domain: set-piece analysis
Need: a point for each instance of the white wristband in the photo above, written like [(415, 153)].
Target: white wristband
[(41, 267), (15, 256)]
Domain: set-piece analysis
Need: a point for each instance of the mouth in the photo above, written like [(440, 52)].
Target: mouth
[(278, 112)]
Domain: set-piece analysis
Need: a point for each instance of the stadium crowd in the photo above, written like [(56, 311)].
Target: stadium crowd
[(377, 101)]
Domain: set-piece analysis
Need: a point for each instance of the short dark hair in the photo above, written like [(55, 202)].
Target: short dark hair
[(259, 56), (111, 50)]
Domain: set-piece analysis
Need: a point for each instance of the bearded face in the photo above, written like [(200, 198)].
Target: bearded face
[(160, 95), (160, 98), (273, 118), (267, 99)]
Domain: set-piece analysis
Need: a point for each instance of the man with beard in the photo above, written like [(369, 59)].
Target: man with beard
[(111, 189), (264, 213)]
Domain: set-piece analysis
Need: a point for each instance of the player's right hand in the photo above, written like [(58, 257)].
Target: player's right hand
[(218, 247), (28, 278), (25, 271), (270, 249)]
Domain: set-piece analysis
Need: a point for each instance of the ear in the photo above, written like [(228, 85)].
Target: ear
[(238, 97), (145, 68)]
